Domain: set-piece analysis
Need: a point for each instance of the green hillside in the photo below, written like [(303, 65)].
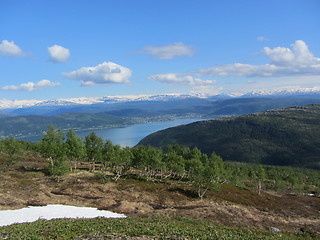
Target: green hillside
[(36, 125), (33, 121), (240, 106), (279, 137)]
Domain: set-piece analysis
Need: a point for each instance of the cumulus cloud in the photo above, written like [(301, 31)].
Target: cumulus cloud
[(31, 86), (173, 78), (10, 49), (284, 62), (168, 51), (103, 74), (299, 56), (58, 53)]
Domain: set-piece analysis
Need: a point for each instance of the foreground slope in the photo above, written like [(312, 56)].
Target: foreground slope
[(280, 137), (164, 209)]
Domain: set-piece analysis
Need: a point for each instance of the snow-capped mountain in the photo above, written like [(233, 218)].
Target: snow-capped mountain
[(17, 104), (7, 104), (69, 101), (304, 92)]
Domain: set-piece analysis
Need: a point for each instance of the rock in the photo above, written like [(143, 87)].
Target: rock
[(274, 229)]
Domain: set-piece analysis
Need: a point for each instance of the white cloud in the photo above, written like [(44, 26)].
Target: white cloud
[(168, 51), (104, 73), (31, 86), (284, 62), (10, 49), (262, 38), (299, 56), (173, 78), (59, 53), (206, 90), (251, 84), (279, 55), (251, 81)]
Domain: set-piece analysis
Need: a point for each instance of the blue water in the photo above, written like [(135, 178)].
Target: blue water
[(129, 135)]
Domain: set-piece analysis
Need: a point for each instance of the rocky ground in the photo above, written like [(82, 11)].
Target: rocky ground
[(20, 187)]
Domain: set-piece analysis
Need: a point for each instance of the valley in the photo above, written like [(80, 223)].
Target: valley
[(192, 120), (178, 180), (32, 120)]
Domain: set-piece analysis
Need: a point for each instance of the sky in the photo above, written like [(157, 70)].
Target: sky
[(55, 49)]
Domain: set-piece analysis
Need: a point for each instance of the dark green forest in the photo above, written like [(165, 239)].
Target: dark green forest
[(285, 137)]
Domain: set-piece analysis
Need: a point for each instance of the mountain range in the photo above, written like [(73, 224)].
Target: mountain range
[(12, 105), (28, 118)]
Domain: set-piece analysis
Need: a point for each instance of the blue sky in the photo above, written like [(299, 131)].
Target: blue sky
[(65, 49)]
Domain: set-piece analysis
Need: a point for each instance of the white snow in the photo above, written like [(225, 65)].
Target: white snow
[(284, 92), (5, 103), (31, 214)]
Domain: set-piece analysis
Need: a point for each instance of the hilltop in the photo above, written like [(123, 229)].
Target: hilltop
[(287, 136)]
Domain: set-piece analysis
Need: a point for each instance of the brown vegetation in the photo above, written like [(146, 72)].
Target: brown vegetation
[(25, 184)]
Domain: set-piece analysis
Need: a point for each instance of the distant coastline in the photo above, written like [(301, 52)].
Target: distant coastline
[(136, 130)]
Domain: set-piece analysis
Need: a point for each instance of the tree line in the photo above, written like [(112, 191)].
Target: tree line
[(65, 152)]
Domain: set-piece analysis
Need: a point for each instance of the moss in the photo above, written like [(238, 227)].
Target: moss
[(157, 228)]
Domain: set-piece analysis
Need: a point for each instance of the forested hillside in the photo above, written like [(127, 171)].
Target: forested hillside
[(105, 115), (36, 125), (279, 137)]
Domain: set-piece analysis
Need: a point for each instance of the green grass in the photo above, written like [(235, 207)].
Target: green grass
[(160, 228)]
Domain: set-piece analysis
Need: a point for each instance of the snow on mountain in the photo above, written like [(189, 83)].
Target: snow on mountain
[(284, 92), (69, 101), (10, 104), (5, 104), (158, 97)]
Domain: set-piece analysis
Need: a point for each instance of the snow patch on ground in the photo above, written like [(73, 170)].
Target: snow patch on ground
[(31, 214)]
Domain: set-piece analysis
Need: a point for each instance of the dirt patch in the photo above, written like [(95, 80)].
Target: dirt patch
[(133, 207)]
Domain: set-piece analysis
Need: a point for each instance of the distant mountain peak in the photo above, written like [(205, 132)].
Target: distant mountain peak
[(5, 104), (10, 104), (284, 92)]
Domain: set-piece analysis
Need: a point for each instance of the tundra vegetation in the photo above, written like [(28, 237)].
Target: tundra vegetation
[(198, 172), (140, 228)]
